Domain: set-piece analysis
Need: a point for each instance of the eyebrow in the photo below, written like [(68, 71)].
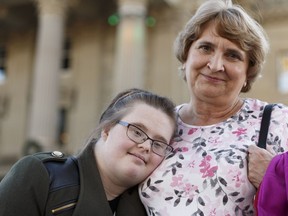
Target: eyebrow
[(145, 129), (204, 42)]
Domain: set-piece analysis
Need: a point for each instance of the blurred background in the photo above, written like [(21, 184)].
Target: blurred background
[(62, 61)]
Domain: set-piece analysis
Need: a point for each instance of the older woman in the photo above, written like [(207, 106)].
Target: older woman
[(222, 51)]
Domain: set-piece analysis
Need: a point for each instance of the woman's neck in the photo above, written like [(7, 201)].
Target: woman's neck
[(111, 187), (112, 194), (201, 113)]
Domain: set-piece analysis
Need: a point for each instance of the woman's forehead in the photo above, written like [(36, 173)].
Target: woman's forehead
[(140, 109), (213, 29), (146, 114)]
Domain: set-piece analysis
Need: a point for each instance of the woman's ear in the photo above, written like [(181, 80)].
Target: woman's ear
[(104, 134)]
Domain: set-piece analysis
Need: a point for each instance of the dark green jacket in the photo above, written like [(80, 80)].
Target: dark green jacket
[(24, 191)]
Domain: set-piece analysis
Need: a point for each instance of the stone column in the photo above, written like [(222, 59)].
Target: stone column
[(130, 45), (44, 108)]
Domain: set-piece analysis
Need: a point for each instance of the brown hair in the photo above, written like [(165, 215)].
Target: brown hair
[(234, 24), (120, 105)]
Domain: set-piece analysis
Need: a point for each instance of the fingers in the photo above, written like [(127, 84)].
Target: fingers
[(259, 153), (252, 148), (258, 161)]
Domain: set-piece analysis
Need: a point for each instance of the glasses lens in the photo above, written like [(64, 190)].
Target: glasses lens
[(136, 134), (161, 148)]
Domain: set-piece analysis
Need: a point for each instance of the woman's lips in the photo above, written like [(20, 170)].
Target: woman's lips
[(212, 78), (139, 156)]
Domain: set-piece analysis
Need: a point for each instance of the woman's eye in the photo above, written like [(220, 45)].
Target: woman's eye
[(157, 145), (234, 56), (137, 133), (205, 48)]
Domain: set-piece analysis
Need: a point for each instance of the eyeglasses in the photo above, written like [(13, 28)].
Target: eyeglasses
[(139, 136)]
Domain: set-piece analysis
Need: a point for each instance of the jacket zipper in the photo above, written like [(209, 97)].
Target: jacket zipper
[(56, 210)]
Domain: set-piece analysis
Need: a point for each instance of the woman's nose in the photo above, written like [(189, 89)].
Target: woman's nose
[(147, 145), (215, 63)]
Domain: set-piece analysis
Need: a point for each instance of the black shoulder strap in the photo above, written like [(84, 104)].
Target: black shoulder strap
[(265, 122)]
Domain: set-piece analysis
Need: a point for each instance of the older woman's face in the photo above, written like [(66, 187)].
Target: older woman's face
[(216, 67)]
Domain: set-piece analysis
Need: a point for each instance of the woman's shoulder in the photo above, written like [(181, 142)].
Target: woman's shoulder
[(254, 104), (33, 165), (42, 157), (258, 105), (279, 113)]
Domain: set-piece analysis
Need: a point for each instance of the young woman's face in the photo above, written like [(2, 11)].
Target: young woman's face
[(125, 162), (216, 67)]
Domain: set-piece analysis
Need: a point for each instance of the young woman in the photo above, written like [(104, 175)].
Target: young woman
[(131, 140)]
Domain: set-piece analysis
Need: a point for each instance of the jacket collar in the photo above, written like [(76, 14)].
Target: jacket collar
[(92, 197)]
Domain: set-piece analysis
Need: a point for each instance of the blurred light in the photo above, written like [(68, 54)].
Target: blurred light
[(113, 20), (150, 21), (2, 76)]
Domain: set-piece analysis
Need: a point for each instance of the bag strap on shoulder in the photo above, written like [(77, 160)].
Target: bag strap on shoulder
[(265, 122)]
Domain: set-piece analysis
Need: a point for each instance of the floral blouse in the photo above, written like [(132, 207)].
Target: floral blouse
[(207, 172)]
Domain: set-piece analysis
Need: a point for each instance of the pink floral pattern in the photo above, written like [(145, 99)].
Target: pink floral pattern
[(207, 172)]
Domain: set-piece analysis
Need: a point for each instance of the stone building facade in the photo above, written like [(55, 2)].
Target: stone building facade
[(61, 61)]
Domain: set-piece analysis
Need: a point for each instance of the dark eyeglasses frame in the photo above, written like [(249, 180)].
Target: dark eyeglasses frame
[(168, 149)]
